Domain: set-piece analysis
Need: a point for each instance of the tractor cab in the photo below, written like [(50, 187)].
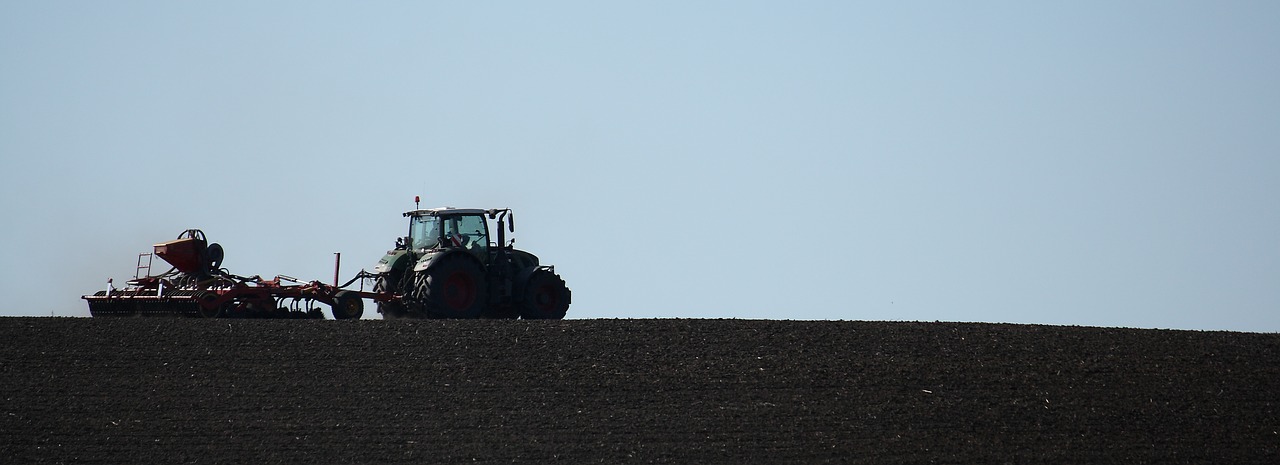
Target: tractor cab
[(449, 227)]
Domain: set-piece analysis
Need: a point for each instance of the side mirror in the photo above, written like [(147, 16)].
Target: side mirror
[(511, 222)]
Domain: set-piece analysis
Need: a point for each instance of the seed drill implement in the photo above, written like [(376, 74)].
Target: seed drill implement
[(197, 286)]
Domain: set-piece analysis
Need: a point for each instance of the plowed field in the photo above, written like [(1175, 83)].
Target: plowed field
[(139, 390)]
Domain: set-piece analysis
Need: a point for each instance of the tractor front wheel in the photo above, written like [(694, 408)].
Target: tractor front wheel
[(543, 295)]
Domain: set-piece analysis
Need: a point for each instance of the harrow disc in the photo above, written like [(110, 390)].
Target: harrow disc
[(143, 303)]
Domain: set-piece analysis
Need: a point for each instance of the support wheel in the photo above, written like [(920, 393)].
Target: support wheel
[(347, 306), (542, 295), (453, 287), (207, 308)]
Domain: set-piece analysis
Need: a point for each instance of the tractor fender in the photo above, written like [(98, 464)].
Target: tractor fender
[(523, 276), (523, 260), (394, 260), (432, 257)]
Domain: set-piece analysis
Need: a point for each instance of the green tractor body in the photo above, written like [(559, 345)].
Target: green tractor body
[(449, 266)]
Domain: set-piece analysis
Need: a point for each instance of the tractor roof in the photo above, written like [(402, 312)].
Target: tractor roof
[(441, 211)]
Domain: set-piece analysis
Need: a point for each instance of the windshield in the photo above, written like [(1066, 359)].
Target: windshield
[(424, 232)]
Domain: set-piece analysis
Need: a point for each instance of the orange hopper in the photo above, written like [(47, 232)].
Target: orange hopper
[(184, 254)]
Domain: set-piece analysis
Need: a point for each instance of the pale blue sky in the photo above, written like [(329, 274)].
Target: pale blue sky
[(1082, 163)]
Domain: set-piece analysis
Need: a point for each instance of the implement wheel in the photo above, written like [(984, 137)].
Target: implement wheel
[(206, 306), (347, 306), (453, 287)]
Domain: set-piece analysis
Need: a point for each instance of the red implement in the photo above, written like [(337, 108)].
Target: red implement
[(197, 287)]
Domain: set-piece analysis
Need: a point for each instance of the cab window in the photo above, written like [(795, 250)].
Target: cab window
[(424, 232), (470, 232)]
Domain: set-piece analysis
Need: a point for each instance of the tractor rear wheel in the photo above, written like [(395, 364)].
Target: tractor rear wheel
[(543, 296), (391, 309), (453, 287)]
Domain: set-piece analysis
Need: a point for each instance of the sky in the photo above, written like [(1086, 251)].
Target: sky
[(1091, 163)]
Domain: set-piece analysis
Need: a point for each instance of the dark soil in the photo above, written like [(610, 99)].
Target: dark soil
[(138, 390)]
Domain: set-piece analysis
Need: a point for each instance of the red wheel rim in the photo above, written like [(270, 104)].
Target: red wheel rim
[(459, 291), (546, 297)]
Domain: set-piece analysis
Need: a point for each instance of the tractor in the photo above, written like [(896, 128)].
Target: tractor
[(449, 266)]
